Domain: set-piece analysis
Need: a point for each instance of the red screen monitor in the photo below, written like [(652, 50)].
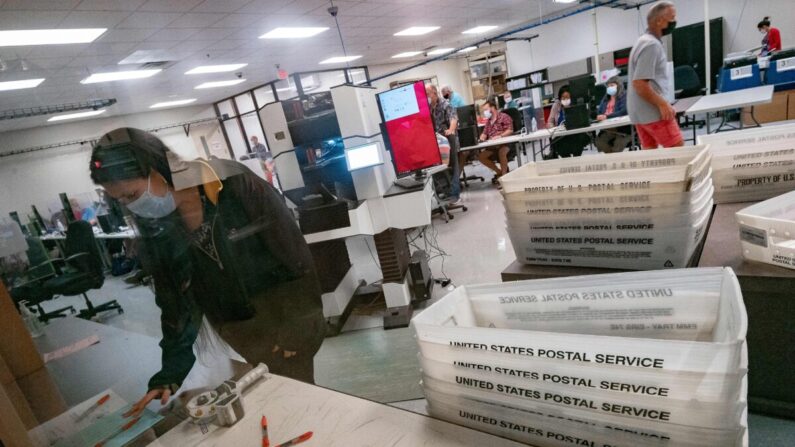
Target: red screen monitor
[(409, 128)]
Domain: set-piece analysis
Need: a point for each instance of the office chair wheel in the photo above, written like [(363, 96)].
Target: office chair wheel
[(465, 209), (72, 311), (121, 311)]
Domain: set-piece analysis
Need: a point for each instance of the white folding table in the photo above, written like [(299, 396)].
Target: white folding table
[(748, 97)]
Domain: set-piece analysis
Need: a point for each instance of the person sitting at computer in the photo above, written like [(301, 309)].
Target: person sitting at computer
[(613, 105), (498, 125), (570, 145)]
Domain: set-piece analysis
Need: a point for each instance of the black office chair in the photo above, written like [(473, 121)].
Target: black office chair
[(82, 256), (31, 290), (468, 136), (686, 82), (443, 185)]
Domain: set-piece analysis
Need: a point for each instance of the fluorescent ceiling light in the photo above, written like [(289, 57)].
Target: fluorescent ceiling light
[(479, 29), (120, 76), (565, 1), (293, 32), (407, 54), (220, 83), (467, 50), (16, 38), (214, 69), (178, 102), (439, 51), (339, 59), (72, 116), (417, 31), (17, 85)]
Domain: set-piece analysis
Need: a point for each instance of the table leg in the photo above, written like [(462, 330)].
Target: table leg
[(753, 117), (708, 124), (694, 129)]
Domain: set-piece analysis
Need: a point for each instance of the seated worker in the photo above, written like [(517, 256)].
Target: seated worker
[(498, 125), (570, 145), (613, 105), (510, 103)]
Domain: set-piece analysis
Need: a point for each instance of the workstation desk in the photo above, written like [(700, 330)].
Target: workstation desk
[(737, 99), (546, 134)]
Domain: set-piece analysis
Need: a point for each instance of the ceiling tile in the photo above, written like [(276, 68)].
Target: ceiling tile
[(126, 35), (49, 63), (221, 6), (178, 34), (237, 20), (262, 6), (27, 20), (148, 20), (40, 5), (57, 50), (215, 33), (169, 5), (302, 6), (110, 5), (93, 19), (196, 20)]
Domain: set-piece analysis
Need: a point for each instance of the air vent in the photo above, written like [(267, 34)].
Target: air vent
[(159, 64)]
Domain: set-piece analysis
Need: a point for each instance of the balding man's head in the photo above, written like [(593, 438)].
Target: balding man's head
[(659, 16)]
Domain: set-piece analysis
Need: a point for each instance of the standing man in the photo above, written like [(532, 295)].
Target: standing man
[(265, 158), (455, 99), (445, 122), (498, 125), (653, 116)]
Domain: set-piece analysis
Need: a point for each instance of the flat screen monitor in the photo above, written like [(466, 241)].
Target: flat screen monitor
[(364, 156), (408, 126), (581, 89)]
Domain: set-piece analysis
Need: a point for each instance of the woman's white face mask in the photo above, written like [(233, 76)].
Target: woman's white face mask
[(150, 206), (566, 102)]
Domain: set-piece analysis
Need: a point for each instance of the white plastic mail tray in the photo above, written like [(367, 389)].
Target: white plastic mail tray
[(660, 249), (767, 231), (545, 426), (452, 322), (753, 184), (661, 179), (656, 158)]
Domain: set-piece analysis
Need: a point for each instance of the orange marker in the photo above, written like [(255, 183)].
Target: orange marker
[(96, 405), (265, 441), (303, 438), (123, 428)]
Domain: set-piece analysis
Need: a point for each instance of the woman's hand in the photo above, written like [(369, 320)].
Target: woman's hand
[(287, 354), (136, 410)]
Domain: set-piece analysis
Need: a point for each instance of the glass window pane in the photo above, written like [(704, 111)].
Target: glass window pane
[(321, 81), (252, 127), (286, 89), (226, 108), (357, 76), (264, 95), (244, 103), (236, 140)]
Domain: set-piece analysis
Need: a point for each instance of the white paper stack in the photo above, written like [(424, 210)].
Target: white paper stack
[(752, 164), (640, 210), (652, 358), (767, 231)]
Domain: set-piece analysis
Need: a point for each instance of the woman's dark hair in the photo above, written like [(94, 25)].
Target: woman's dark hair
[(764, 22), (126, 153), (619, 83), (563, 89)]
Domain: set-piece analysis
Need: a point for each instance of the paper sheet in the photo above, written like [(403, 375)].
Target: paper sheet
[(109, 424), (70, 349)]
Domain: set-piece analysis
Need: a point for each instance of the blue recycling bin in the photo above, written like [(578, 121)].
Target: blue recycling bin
[(738, 78), (781, 71)]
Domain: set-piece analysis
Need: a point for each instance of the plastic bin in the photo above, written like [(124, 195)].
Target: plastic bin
[(661, 179), (767, 231), (656, 158), (452, 322), (548, 426), (663, 249), (716, 388)]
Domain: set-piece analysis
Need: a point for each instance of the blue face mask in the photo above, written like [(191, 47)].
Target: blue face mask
[(612, 90), (150, 206)]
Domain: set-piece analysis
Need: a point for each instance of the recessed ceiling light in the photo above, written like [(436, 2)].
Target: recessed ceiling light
[(16, 38), (72, 116), (220, 83), (407, 54), (417, 31), (120, 75), (467, 49), (479, 29), (17, 85), (214, 69), (178, 102), (339, 59), (565, 1), (293, 32), (439, 51)]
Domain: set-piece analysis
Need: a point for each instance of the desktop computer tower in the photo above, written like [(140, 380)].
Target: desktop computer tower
[(421, 280)]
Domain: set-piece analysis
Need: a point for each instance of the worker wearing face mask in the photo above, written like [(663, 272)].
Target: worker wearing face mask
[(613, 105), (510, 103), (455, 99), (570, 145), (649, 110), (772, 40)]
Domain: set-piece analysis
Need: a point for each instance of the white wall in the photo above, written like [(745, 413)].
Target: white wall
[(38, 177), (448, 72), (572, 38)]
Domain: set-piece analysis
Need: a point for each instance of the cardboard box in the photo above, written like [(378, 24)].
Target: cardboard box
[(791, 111), (42, 394), (12, 428), (16, 345), (20, 403), (768, 113)]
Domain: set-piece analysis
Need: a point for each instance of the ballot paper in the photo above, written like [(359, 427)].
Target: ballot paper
[(106, 426)]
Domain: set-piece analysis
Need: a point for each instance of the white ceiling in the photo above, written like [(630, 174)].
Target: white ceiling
[(201, 32)]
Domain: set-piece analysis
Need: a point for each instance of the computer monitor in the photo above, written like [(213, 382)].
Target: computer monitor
[(364, 156), (577, 117), (408, 129), (581, 89), (467, 116)]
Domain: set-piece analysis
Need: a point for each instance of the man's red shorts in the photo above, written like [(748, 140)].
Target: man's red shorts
[(659, 133)]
